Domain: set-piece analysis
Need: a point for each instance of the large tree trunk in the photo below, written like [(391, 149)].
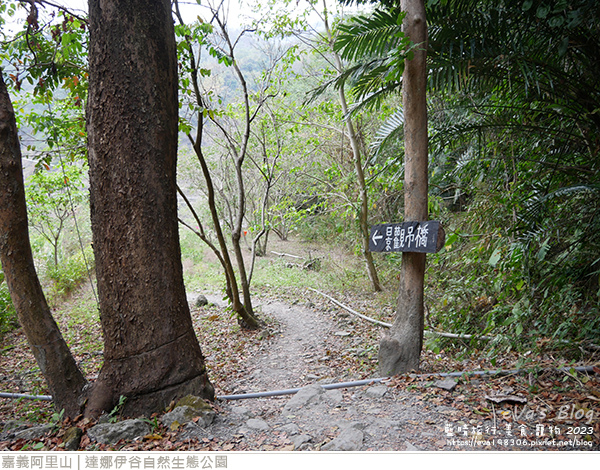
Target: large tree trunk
[(65, 380), (400, 350), (151, 352)]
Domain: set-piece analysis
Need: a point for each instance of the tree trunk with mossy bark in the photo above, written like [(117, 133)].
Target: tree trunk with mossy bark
[(151, 353)]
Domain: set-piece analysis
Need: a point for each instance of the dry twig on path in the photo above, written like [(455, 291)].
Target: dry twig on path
[(389, 325)]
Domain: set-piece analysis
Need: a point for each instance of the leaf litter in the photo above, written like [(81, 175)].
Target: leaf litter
[(294, 353)]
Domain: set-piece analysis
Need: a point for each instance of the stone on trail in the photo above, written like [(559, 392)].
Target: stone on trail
[(72, 438), (290, 428), (333, 397), (199, 404), (185, 414), (299, 440), (111, 433), (186, 410), (446, 384), (349, 440), (306, 395), (241, 411), (377, 391), (257, 424), (35, 432)]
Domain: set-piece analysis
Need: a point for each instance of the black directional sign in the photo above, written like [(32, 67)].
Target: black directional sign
[(420, 237)]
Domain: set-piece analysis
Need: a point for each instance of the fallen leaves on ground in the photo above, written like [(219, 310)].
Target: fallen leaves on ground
[(565, 398)]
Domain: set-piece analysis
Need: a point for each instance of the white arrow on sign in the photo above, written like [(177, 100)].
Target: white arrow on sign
[(376, 236)]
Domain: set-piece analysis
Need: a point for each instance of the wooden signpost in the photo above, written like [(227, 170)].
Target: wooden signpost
[(417, 237)]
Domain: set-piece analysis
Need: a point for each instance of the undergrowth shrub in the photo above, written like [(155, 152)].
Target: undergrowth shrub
[(490, 280), (69, 274)]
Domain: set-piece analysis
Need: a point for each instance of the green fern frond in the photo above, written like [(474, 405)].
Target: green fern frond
[(376, 35), (392, 128), (379, 47)]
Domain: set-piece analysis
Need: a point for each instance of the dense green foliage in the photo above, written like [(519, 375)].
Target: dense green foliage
[(44, 62), (517, 139), (514, 150)]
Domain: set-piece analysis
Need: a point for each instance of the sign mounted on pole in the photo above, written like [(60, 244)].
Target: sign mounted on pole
[(418, 237)]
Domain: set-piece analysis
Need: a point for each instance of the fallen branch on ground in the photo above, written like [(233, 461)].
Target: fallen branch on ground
[(459, 336), (287, 254), (313, 264), (353, 312), (389, 325)]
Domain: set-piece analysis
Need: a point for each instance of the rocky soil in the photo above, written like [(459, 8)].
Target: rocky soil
[(370, 417), (303, 348)]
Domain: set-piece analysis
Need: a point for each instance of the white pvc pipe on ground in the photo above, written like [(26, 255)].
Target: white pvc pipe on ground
[(357, 383)]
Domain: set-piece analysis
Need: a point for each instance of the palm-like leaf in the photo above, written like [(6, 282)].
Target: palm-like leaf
[(391, 129), (378, 47), (536, 206), (479, 45), (371, 36)]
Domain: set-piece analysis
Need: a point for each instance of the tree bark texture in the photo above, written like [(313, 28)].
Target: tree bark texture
[(400, 350), (64, 379), (151, 352)]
